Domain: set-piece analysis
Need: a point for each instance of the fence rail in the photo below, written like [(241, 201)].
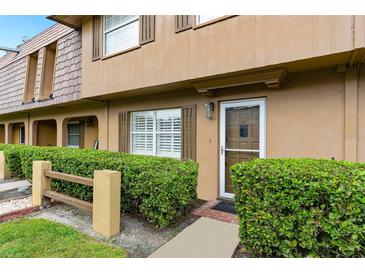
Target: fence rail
[(69, 177), (69, 200)]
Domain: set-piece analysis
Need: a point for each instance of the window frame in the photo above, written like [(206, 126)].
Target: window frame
[(104, 32), (68, 134), (197, 25), (155, 132)]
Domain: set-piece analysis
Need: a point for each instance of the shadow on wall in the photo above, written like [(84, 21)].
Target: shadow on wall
[(45, 133), (2, 134)]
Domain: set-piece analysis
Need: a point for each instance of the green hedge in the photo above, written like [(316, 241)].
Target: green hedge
[(159, 188), (301, 207)]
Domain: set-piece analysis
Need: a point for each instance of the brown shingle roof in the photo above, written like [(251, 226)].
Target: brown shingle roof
[(67, 77), (40, 40)]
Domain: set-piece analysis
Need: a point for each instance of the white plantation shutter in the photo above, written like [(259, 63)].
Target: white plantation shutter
[(121, 32), (142, 132), (157, 132), (169, 132)]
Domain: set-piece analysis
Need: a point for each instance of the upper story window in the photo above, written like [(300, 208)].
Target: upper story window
[(30, 77), (201, 19), (121, 32)]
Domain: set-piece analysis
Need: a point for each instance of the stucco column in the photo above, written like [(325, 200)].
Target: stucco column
[(106, 202), (26, 133), (60, 129), (7, 134), (351, 114), (40, 182), (32, 133), (103, 122)]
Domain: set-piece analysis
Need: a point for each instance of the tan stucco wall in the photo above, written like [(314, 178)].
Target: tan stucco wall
[(46, 133), (235, 44), (15, 135), (64, 114), (305, 118), (91, 133)]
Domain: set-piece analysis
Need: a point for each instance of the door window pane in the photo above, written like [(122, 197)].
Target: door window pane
[(242, 127)]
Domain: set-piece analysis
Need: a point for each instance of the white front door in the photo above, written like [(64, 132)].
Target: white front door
[(242, 137)]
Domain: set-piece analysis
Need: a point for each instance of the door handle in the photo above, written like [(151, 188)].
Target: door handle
[(222, 150)]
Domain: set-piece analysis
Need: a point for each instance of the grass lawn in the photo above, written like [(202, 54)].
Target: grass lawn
[(39, 238)]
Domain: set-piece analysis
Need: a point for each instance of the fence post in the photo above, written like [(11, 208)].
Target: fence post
[(106, 202), (4, 172), (40, 182)]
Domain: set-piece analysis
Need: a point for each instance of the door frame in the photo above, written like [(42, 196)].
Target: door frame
[(261, 102)]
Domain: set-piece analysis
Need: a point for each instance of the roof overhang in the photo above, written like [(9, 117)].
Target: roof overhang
[(72, 21), (7, 49)]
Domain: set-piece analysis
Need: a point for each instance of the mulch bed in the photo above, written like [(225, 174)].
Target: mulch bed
[(238, 253)]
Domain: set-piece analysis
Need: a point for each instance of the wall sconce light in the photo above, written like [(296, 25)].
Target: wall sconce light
[(209, 110)]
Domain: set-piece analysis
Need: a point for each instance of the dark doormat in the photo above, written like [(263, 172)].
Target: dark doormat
[(226, 207)]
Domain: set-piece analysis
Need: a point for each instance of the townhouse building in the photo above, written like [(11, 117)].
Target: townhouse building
[(214, 89)]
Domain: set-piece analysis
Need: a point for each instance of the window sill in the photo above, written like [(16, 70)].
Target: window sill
[(119, 53), (210, 22), (159, 156), (28, 102), (44, 99), (37, 101)]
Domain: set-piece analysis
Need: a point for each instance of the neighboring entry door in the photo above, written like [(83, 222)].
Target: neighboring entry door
[(242, 137)]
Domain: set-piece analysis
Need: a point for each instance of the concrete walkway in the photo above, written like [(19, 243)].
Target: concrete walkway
[(14, 185), (206, 238)]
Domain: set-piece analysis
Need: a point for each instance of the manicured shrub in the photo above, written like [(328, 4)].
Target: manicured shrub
[(301, 207), (12, 158), (158, 188)]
